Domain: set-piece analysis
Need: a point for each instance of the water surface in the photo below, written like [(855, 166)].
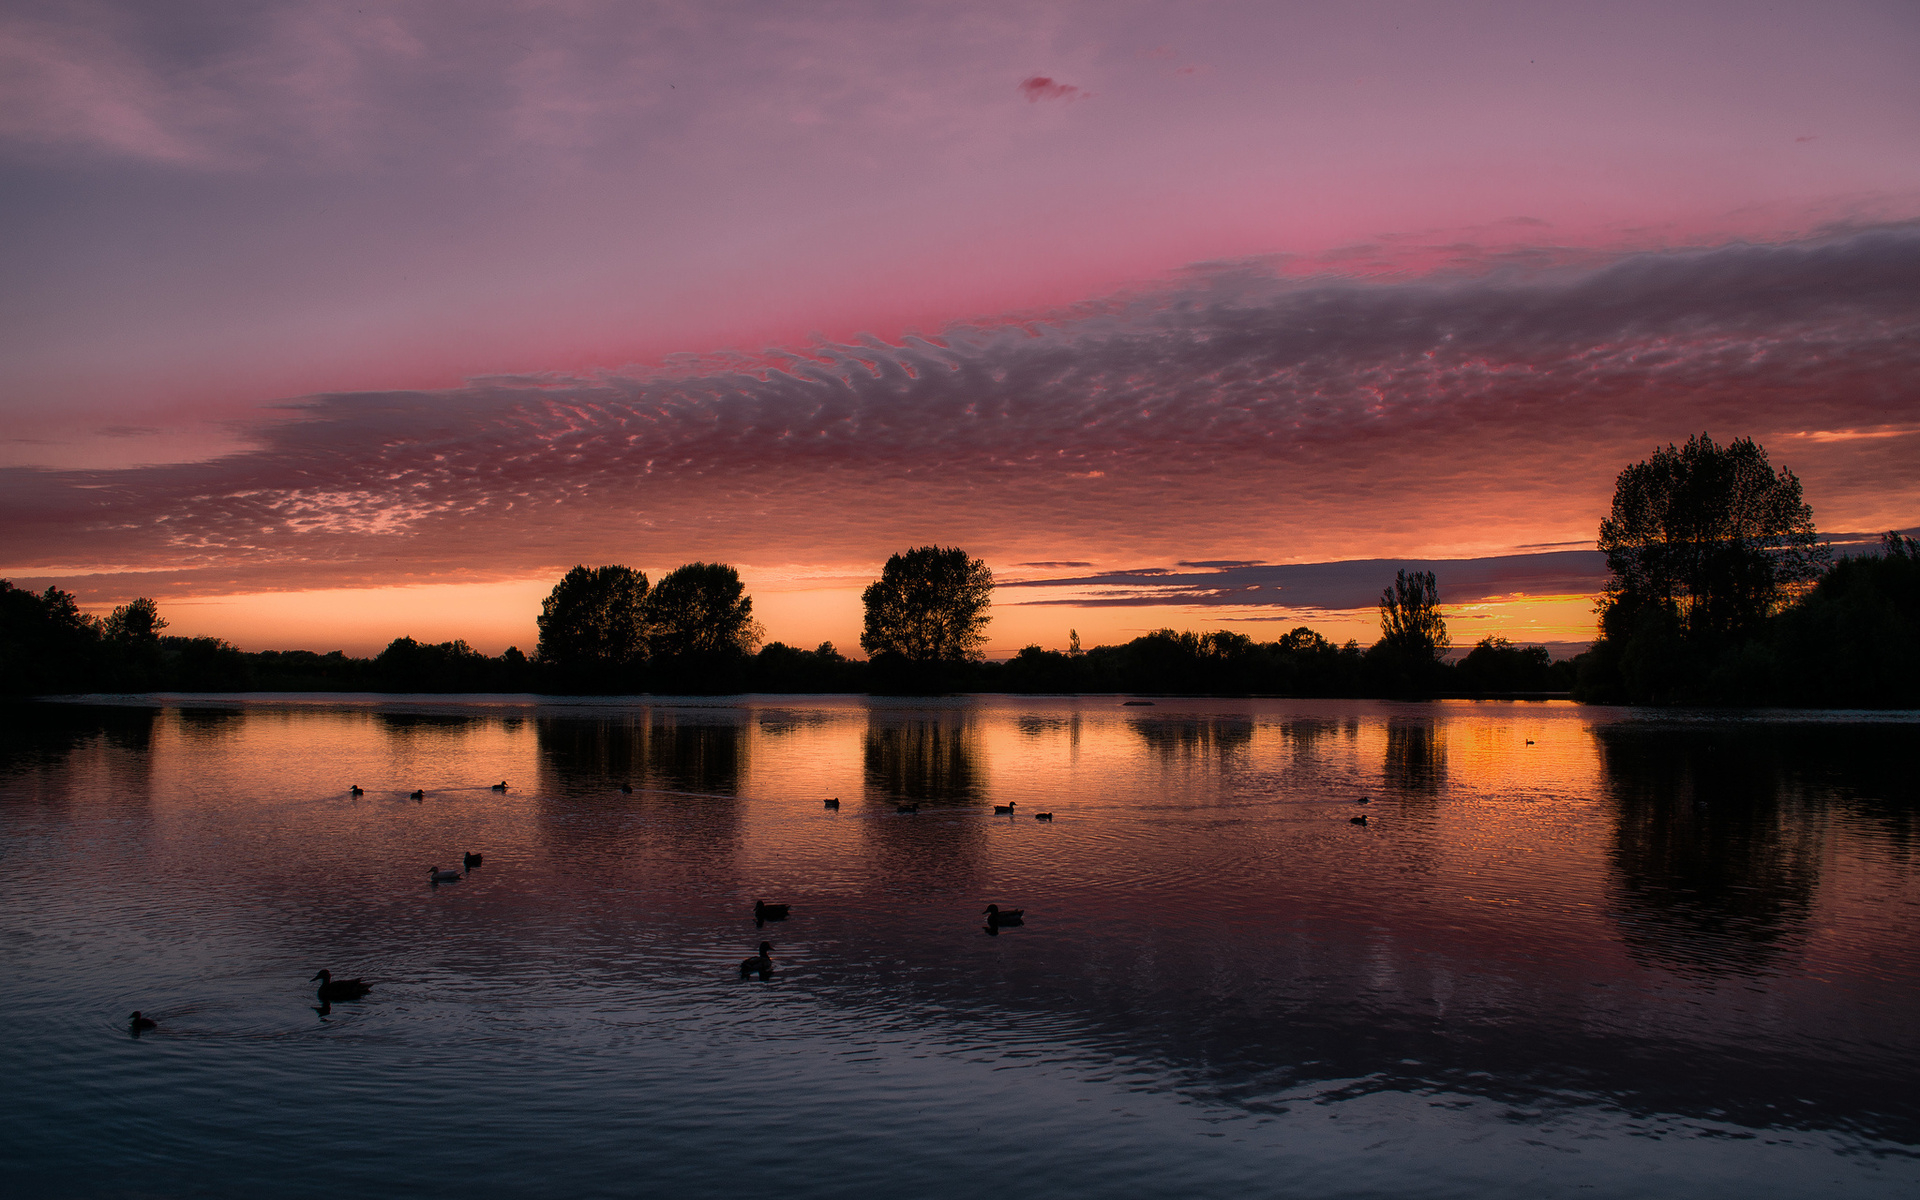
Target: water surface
[(1572, 951)]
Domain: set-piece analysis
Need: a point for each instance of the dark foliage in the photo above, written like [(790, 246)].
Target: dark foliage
[(1704, 543), (594, 628), (928, 606)]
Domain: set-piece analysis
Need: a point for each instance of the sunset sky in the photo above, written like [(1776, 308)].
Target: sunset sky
[(327, 323)]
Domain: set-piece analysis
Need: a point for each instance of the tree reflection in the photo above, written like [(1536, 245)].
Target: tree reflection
[(1194, 737), (934, 759), (661, 751), (1416, 758), (42, 741), (1714, 861)]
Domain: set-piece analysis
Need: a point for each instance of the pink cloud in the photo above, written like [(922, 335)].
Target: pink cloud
[(1235, 416), (1040, 87)]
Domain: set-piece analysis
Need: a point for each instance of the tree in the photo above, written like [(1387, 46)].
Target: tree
[(595, 620), (1707, 539), (1411, 626), (138, 620), (700, 612), (928, 606)]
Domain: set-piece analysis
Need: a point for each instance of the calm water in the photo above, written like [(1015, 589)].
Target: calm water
[(1572, 952)]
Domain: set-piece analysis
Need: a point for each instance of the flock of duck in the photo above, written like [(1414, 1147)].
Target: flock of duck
[(761, 964)]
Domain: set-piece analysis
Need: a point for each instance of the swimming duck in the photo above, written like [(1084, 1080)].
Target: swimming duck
[(469, 860), (762, 911), (626, 789), (332, 989), (1363, 800), (138, 1024), (906, 808), (1359, 820), (356, 790), (1043, 816), (1004, 810), (762, 962), (1013, 916), (417, 794), (833, 804), (499, 787), (437, 875)]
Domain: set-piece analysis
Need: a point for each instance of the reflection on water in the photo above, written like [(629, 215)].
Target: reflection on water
[(1569, 951), (1716, 853), (932, 759), (1187, 737), (700, 752), (1416, 761)]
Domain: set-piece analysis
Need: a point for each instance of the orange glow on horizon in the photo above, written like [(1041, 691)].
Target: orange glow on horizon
[(492, 616)]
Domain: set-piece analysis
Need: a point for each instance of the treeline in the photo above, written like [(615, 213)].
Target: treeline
[(1720, 591), (1851, 641), (47, 645)]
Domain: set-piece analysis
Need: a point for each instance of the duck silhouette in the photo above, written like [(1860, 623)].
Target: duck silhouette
[(443, 874), (417, 794), (834, 804), (1363, 800), (761, 963), (356, 790), (499, 787), (1004, 810), (1013, 916), (764, 912), (626, 789), (906, 808), (1043, 816), (1359, 820), (469, 860), (137, 1024), (332, 989)]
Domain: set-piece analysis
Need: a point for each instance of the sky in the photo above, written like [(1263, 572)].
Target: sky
[(324, 324)]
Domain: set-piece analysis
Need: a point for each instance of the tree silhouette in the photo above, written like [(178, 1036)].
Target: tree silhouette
[(138, 620), (1707, 538), (928, 606), (1410, 622), (701, 611), (595, 620)]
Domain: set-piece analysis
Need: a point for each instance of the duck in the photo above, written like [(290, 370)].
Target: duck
[(1359, 820), (626, 789), (332, 989), (762, 962), (1529, 741), (1013, 916), (906, 808), (139, 1024), (438, 875), (1004, 810), (833, 804), (1363, 800), (356, 790), (1043, 816), (762, 911), (417, 794), (499, 787), (469, 860)]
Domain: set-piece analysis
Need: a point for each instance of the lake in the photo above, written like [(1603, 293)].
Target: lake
[(1572, 951)]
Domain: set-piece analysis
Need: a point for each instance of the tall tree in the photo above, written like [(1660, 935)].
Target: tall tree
[(1711, 538), (138, 620), (595, 620), (701, 611), (1410, 622), (928, 606)]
